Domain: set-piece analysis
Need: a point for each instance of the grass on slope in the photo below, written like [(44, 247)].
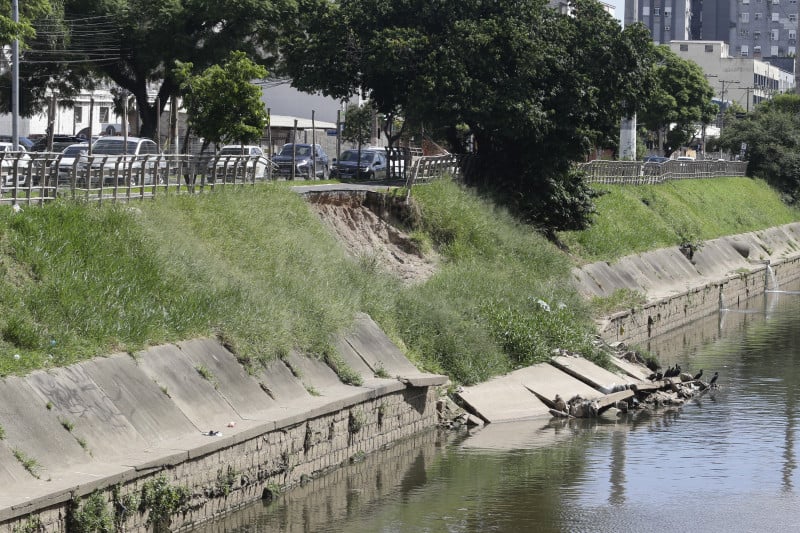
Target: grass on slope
[(637, 218), (257, 268)]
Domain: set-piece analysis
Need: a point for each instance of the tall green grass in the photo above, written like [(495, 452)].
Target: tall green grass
[(636, 218), (258, 269)]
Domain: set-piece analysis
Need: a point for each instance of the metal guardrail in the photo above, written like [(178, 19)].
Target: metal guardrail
[(643, 173), (430, 167), (29, 178)]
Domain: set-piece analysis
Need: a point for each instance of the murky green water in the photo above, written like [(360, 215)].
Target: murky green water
[(725, 462)]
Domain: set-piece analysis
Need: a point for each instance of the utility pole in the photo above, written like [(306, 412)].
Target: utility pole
[(15, 81), (747, 91), (722, 117)]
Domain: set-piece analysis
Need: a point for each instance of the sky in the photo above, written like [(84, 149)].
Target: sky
[(619, 8)]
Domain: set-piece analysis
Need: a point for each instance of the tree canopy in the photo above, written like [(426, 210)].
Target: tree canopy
[(222, 103), (535, 88), (680, 99), (136, 43), (771, 134)]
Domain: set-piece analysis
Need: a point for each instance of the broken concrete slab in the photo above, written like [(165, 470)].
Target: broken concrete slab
[(593, 375), (546, 381), (635, 371), (503, 399)]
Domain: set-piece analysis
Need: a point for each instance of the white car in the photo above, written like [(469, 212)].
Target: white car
[(236, 160), (13, 163), (115, 162), (69, 160)]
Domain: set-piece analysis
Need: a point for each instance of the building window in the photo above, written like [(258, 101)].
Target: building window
[(792, 34), (774, 35), (776, 2), (756, 35), (745, 2), (666, 28), (793, 2), (78, 114), (104, 114), (745, 17), (792, 50), (773, 51), (667, 12), (758, 16), (745, 50), (776, 17), (684, 47), (756, 50), (744, 33), (792, 17), (646, 11), (656, 11), (709, 48)]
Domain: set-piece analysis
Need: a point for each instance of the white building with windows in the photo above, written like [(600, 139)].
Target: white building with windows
[(740, 79)]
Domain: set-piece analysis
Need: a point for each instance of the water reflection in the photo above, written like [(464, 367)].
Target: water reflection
[(725, 461)]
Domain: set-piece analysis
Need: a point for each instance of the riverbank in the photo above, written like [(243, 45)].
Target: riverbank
[(175, 435)]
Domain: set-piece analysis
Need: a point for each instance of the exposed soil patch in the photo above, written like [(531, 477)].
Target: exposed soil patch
[(368, 224)]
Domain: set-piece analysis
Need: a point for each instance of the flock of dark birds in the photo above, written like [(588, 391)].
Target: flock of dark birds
[(675, 371)]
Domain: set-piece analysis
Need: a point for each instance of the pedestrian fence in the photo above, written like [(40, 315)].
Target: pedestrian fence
[(643, 173)]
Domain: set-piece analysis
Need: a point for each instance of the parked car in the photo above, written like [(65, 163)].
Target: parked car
[(655, 159), (59, 143), (371, 166), (13, 164), (398, 164), (24, 141), (116, 162), (684, 158), (236, 160), (70, 160), (299, 156)]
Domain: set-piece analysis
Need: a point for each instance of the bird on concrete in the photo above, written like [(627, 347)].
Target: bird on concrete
[(560, 404), (713, 383), (699, 374)]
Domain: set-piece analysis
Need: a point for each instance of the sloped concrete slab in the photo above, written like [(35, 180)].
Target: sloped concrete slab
[(194, 395), (280, 384), (11, 471), (635, 371), (595, 376), (34, 430), (315, 373), (377, 350), (503, 399), (138, 398), (230, 378), (546, 381), (78, 401), (352, 359)]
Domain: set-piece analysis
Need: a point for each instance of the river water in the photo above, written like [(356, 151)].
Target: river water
[(724, 462)]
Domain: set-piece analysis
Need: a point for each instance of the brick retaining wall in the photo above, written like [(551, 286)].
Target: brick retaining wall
[(637, 326), (220, 479)]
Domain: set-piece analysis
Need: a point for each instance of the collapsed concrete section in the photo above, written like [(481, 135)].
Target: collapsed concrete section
[(681, 287), (189, 420)]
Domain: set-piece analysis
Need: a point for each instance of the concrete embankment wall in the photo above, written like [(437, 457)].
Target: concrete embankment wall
[(129, 425), (723, 273)]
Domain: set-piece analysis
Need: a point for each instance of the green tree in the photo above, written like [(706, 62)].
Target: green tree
[(136, 43), (358, 125), (771, 134), (222, 103), (680, 100), (500, 68), (23, 30)]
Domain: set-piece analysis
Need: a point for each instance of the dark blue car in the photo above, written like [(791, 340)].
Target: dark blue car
[(372, 166), (300, 157)]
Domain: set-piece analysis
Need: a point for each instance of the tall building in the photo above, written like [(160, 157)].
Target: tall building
[(668, 20), (761, 29)]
